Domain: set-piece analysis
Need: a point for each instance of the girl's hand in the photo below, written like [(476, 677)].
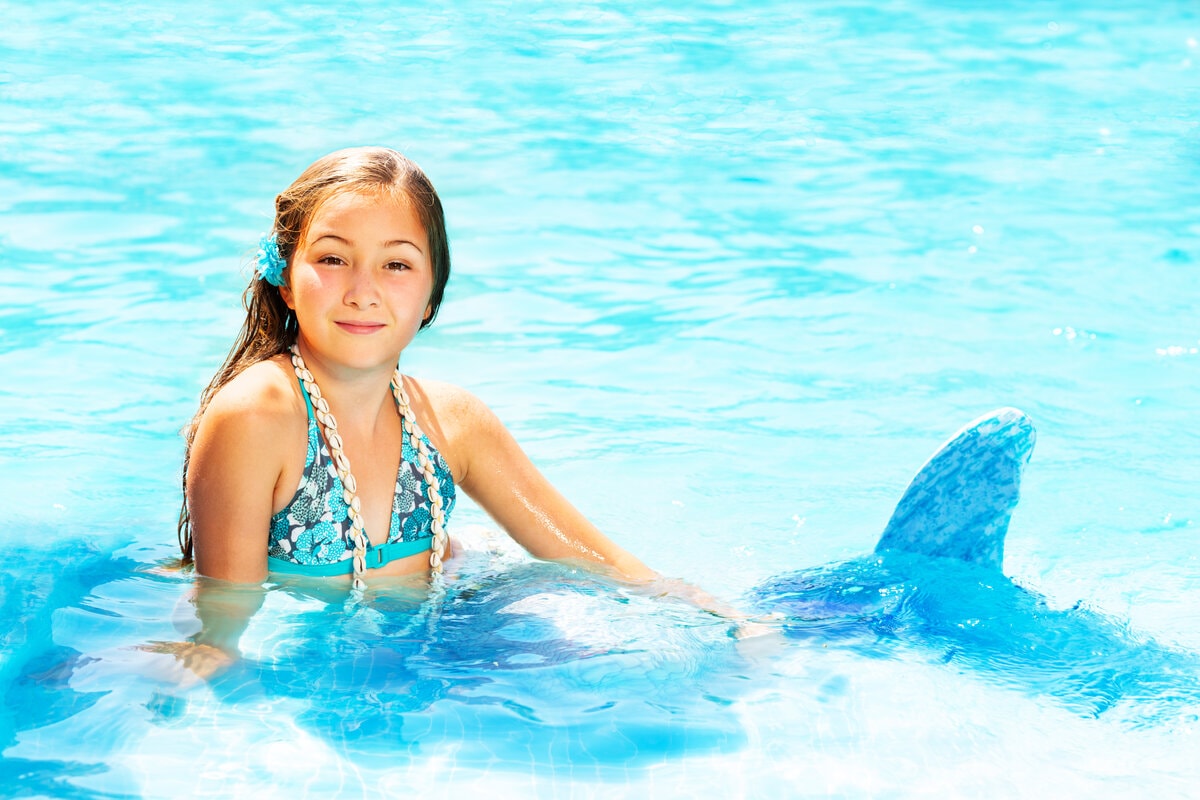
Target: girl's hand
[(753, 627), (745, 626), (201, 661)]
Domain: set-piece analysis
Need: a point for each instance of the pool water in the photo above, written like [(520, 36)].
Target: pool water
[(730, 274)]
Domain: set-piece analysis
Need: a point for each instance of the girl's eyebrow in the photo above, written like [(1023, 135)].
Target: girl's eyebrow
[(348, 243)]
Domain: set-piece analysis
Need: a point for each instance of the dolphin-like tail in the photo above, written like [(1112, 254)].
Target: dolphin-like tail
[(935, 581), (960, 503)]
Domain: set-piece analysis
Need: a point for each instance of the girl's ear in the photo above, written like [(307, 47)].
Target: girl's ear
[(285, 292), (428, 313)]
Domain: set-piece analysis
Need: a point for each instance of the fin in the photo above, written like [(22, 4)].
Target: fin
[(960, 503)]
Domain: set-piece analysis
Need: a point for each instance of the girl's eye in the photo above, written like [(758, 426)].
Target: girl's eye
[(396, 265), (331, 260)]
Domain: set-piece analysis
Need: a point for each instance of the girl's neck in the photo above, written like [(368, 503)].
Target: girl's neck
[(358, 398)]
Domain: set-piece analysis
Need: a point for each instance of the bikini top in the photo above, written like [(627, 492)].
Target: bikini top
[(310, 536)]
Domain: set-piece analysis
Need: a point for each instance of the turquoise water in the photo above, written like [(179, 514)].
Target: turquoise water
[(730, 274)]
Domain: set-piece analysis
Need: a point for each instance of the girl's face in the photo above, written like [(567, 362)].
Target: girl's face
[(360, 281)]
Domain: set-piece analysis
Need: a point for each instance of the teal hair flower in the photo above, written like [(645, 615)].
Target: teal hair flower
[(270, 264)]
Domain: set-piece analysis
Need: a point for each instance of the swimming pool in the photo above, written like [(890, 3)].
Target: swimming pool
[(729, 274)]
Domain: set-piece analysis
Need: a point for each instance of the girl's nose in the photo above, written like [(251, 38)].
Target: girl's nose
[(363, 291)]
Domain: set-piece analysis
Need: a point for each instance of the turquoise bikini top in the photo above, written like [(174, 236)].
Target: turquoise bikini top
[(310, 536)]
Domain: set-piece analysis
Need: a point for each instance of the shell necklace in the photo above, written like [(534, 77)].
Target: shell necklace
[(333, 441)]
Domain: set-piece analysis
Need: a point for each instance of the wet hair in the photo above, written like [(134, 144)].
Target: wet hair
[(270, 327)]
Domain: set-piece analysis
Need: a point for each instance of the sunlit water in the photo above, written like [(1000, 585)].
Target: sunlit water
[(730, 273)]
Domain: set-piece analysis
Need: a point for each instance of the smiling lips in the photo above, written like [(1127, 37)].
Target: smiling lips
[(360, 328)]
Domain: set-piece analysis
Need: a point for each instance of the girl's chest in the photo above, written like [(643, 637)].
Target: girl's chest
[(377, 469)]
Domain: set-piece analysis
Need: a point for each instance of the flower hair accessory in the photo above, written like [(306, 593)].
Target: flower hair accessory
[(270, 264)]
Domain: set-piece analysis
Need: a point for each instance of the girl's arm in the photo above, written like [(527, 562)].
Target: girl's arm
[(223, 611), (493, 469), (236, 463)]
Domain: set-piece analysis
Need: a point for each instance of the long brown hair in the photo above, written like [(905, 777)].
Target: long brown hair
[(270, 326)]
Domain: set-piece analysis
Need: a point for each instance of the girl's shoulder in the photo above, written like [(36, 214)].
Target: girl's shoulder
[(264, 396), (441, 398), (455, 420)]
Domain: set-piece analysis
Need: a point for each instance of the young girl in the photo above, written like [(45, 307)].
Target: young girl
[(310, 452)]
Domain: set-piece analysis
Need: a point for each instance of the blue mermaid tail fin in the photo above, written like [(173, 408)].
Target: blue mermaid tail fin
[(960, 503)]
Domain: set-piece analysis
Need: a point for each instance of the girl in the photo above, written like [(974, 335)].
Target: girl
[(310, 452)]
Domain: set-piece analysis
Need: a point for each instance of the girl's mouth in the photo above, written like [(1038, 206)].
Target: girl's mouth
[(360, 328)]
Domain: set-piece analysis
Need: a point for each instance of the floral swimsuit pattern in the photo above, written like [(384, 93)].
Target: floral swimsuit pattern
[(313, 528)]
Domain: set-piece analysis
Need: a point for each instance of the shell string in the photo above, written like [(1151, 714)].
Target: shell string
[(358, 535)]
